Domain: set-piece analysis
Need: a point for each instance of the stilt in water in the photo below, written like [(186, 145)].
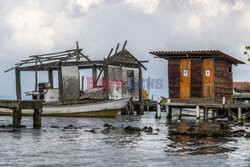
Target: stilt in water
[(169, 113), (37, 118), (158, 113), (17, 116), (197, 112), (180, 114), (239, 114)]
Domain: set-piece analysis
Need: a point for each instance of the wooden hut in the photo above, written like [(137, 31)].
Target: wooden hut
[(202, 75)]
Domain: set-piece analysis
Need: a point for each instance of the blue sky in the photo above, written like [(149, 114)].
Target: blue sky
[(39, 26)]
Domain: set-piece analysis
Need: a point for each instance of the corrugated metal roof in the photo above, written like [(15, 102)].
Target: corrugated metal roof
[(201, 53)]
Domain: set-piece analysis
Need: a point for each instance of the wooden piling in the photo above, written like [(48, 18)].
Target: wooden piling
[(17, 116), (205, 114), (18, 84), (50, 77), (197, 112), (239, 114), (37, 118), (213, 114), (169, 114), (180, 113)]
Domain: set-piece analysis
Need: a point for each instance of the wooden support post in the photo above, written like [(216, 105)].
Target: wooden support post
[(205, 116), (169, 114), (158, 113), (140, 109), (18, 84), (60, 84), (197, 112), (239, 114), (124, 111), (213, 113), (131, 111), (17, 116), (37, 118), (94, 75), (36, 77), (180, 113), (229, 114), (50, 77)]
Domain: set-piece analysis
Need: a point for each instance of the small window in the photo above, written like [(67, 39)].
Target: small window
[(230, 69)]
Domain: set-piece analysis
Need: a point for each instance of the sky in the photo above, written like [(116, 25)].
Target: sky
[(39, 26)]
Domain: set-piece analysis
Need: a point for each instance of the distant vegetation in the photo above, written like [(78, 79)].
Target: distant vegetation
[(247, 51)]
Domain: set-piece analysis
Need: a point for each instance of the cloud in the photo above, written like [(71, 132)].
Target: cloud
[(215, 7), (146, 6), (83, 5)]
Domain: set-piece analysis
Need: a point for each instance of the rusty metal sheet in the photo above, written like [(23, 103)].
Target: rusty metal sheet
[(207, 78), (185, 73)]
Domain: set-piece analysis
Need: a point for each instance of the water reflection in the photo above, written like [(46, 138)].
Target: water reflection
[(185, 144)]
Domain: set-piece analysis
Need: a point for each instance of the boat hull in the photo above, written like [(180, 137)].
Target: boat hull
[(100, 109)]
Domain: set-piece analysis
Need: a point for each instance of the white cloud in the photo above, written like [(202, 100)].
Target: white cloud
[(83, 4), (194, 22), (30, 29), (214, 7), (146, 6)]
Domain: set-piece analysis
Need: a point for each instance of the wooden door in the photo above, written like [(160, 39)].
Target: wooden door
[(185, 70), (207, 78)]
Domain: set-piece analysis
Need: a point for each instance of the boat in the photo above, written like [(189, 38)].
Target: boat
[(108, 108)]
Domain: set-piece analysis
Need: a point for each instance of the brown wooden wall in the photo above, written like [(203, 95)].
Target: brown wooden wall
[(196, 79), (174, 78), (223, 80)]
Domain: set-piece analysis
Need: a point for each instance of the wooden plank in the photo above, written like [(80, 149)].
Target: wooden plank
[(196, 79), (174, 78), (185, 73), (207, 78)]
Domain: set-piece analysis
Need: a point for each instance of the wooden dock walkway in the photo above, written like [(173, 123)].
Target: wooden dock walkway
[(18, 105), (206, 107)]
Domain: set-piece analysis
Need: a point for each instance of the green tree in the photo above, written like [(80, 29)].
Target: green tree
[(247, 51)]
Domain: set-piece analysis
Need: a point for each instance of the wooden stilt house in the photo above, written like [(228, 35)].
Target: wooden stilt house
[(202, 75)]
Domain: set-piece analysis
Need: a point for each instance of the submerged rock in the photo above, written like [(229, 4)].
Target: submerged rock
[(91, 130), (205, 130), (131, 129), (107, 125), (247, 135), (55, 126)]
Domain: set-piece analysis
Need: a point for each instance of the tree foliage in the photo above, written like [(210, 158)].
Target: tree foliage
[(247, 51)]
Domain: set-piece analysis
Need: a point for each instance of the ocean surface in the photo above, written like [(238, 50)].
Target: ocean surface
[(86, 142)]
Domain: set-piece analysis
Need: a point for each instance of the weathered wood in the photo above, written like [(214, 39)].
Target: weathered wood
[(117, 47), (94, 76), (50, 77), (174, 78), (196, 80), (18, 84), (37, 118), (17, 116), (60, 85)]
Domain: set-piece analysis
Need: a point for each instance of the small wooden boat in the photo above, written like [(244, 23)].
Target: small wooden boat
[(109, 108)]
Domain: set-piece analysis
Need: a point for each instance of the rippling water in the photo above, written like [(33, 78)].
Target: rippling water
[(60, 146)]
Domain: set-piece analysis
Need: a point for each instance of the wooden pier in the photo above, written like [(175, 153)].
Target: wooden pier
[(229, 107), (18, 105)]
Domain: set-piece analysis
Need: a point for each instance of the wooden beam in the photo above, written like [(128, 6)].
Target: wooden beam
[(50, 77), (60, 86), (117, 47), (94, 75), (102, 68), (124, 45), (18, 84)]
